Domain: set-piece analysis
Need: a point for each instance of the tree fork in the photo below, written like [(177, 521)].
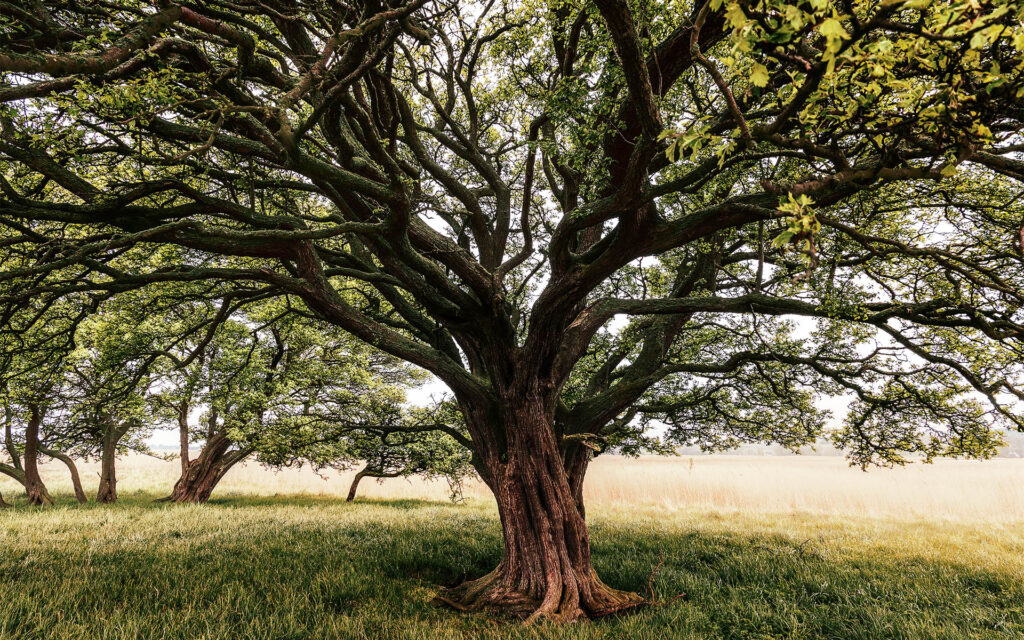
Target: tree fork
[(197, 483)]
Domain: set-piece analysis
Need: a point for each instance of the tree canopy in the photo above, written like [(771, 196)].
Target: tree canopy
[(585, 218)]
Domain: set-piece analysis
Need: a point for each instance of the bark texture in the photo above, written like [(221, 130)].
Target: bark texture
[(200, 478), (546, 570)]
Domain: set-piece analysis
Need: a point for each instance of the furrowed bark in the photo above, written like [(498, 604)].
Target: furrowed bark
[(546, 571)]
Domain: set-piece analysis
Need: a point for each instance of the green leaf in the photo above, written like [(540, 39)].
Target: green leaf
[(735, 17), (759, 75)]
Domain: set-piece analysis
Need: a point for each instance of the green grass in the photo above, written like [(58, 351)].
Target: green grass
[(305, 567)]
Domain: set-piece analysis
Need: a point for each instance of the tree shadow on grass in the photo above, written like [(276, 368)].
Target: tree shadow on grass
[(278, 575), (300, 500), (139, 499)]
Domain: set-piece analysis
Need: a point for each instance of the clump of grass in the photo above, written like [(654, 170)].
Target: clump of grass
[(316, 567)]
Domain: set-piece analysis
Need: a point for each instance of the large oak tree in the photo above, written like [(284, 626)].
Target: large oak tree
[(584, 218)]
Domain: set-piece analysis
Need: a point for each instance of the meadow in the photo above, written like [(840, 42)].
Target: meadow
[(763, 547)]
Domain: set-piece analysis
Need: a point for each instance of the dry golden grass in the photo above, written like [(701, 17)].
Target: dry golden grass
[(948, 490), (957, 490)]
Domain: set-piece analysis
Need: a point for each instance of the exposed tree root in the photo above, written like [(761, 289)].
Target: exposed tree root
[(491, 594), (568, 602), (651, 600), (38, 496)]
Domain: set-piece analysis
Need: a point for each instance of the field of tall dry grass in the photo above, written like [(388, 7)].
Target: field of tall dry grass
[(947, 490)]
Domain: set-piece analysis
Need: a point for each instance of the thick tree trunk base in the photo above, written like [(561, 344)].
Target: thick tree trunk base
[(38, 497), (106, 495), (545, 573), (107, 492), (192, 493), (35, 490), (196, 486), (197, 483), (584, 599)]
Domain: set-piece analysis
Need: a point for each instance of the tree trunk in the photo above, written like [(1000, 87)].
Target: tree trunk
[(35, 490), (3, 503), (107, 492), (355, 483), (76, 480), (202, 475), (183, 438), (546, 570), (370, 472)]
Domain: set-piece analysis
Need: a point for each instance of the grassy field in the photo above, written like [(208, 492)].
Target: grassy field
[(763, 548)]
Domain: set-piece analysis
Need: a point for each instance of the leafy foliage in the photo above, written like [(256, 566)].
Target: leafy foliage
[(589, 220)]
